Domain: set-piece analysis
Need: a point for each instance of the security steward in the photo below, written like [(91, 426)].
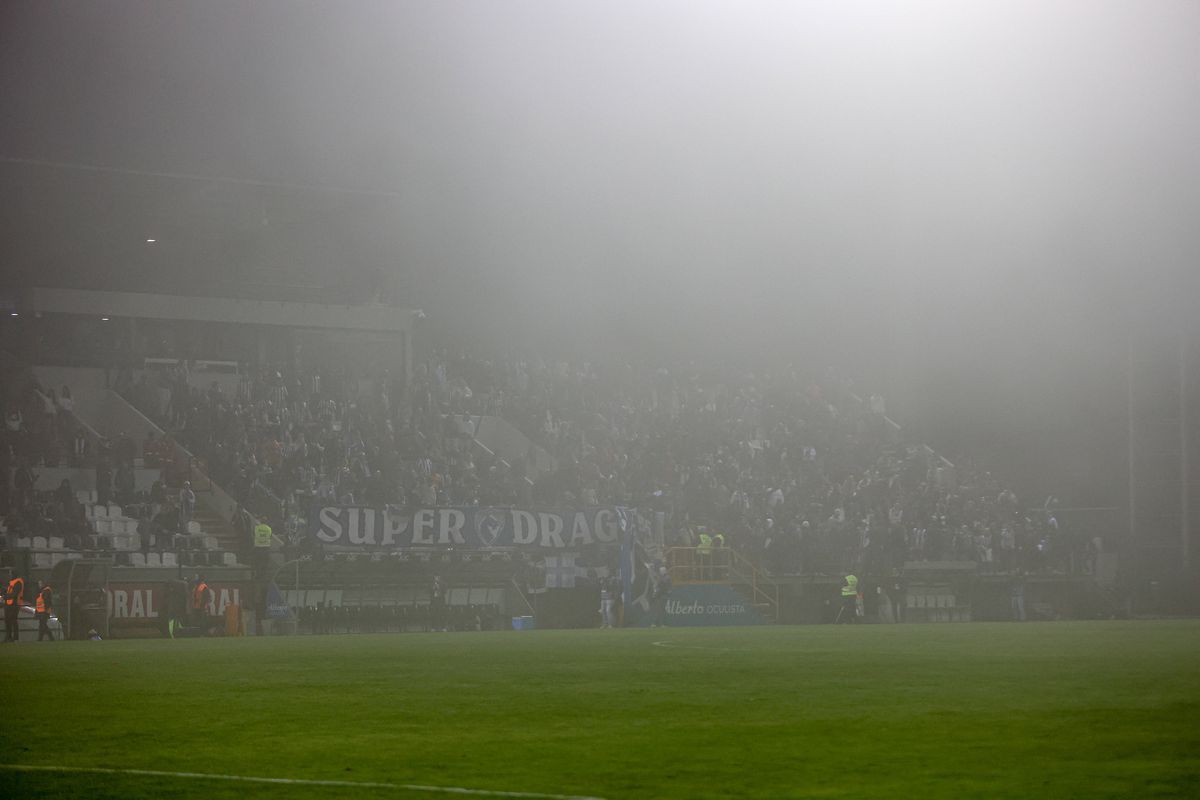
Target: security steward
[(14, 598), (848, 613), (202, 597), (43, 606)]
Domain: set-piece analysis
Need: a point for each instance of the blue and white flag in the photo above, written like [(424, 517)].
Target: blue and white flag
[(561, 571)]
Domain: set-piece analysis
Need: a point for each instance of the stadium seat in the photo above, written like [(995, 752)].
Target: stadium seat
[(193, 527), (23, 543), (99, 510), (210, 543), (169, 560), (57, 557), (137, 559), (230, 559), (41, 560), (101, 525), (54, 543), (83, 495), (153, 560), (114, 510), (39, 543)]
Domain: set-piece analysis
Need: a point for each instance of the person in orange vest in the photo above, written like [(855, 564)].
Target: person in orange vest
[(14, 598), (202, 597), (43, 606)]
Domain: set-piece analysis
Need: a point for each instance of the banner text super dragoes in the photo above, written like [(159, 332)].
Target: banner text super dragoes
[(362, 528)]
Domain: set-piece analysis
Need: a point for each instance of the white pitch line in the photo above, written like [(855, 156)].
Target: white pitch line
[(411, 787)]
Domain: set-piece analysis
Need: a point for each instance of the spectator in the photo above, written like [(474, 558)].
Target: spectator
[(24, 479), (187, 505)]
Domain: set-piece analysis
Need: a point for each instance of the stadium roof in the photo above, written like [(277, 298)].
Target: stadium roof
[(237, 311)]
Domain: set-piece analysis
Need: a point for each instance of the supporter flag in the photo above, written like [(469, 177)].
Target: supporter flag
[(561, 571), (535, 577), (636, 582), (277, 607), (594, 563)]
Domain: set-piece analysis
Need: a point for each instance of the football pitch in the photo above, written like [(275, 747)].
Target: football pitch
[(1089, 709)]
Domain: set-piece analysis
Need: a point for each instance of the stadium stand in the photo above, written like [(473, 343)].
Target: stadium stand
[(797, 473)]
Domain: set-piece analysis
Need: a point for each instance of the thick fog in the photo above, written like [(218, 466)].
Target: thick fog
[(968, 205)]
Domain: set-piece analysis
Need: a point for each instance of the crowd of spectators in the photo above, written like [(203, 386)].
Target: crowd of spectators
[(41, 433), (278, 443), (799, 473)]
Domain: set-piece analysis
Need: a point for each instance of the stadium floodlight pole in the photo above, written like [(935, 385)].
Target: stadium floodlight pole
[(1185, 484), (1131, 459)]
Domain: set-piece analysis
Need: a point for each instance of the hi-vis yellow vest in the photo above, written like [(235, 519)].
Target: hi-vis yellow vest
[(706, 544), (262, 535), (851, 587)]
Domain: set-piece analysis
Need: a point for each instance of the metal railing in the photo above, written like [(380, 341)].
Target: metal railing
[(723, 565)]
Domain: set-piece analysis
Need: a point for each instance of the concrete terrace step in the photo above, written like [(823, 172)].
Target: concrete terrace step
[(213, 525)]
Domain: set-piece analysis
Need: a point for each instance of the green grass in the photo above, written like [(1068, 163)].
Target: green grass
[(1096, 709)]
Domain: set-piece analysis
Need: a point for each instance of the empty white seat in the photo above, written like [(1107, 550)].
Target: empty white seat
[(137, 559), (120, 541), (102, 525), (83, 495), (99, 511), (41, 560), (211, 543), (114, 510), (54, 543), (230, 559), (23, 542), (39, 543), (139, 463), (194, 527), (153, 560), (169, 560), (74, 555)]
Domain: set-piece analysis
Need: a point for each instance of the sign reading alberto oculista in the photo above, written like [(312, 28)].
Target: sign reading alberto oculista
[(362, 528)]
